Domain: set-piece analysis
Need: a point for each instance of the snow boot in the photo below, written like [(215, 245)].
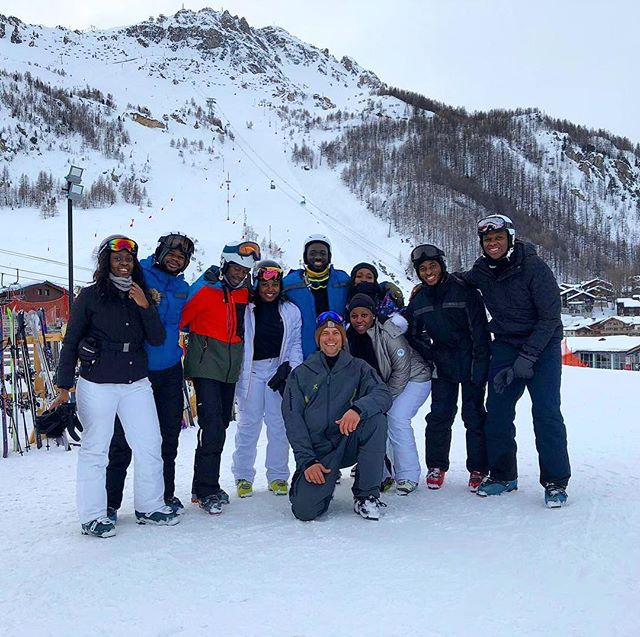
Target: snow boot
[(102, 527), (369, 507), (279, 487), (554, 496), (165, 516), (405, 487), (387, 484), (223, 496), (490, 486), (244, 489), (475, 480), (211, 504), (175, 504), (435, 478)]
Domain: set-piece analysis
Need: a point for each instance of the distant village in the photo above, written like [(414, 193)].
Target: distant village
[(601, 329)]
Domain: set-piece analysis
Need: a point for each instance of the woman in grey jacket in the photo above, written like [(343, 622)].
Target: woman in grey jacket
[(272, 347), (407, 376)]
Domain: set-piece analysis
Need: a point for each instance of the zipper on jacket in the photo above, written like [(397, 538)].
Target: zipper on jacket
[(328, 396), (204, 348), (228, 299)]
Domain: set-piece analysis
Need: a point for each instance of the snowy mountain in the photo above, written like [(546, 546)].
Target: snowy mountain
[(201, 123)]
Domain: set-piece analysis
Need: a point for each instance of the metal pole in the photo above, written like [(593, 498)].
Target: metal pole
[(70, 246)]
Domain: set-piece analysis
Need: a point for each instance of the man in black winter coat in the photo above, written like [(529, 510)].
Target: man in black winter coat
[(448, 327), (523, 298)]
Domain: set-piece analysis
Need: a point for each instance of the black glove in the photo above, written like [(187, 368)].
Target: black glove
[(74, 426), (88, 351), (53, 423), (522, 368), (278, 381), (502, 379)]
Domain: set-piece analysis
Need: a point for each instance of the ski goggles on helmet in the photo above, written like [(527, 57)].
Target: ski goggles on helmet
[(178, 242), (329, 316), (491, 223), (118, 245), (425, 252), (270, 273), (246, 249)]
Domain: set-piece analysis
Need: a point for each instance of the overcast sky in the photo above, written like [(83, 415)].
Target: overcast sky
[(573, 58)]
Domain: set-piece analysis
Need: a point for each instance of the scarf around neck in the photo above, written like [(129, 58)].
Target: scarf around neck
[(316, 280), (123, 283)]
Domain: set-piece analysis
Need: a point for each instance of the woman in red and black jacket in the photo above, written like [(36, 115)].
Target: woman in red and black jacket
[(214, 317), (108, 326)]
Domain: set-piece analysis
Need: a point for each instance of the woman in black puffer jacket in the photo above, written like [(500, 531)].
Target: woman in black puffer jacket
[(108, 326)]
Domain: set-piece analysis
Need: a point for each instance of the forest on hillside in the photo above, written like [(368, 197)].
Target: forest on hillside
[(433, 174)]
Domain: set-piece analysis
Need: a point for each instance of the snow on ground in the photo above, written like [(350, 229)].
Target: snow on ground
[(438, 563)]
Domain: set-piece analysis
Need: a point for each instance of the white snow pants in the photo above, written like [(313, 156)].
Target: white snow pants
[(258, 404), (401, 447), (98, 404)]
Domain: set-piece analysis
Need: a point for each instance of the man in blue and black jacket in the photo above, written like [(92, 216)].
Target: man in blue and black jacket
[(316, 288), (523, 298), (163, 274)]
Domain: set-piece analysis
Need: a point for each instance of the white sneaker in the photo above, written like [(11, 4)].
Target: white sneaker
[(369, 507), (405, 487)]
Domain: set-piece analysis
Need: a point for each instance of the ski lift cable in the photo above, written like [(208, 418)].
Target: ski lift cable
[(44, 259), (373, 249), (27, 278), (48, 276), (341, 228)]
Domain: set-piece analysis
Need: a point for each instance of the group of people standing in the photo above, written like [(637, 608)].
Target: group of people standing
[(332, 363)]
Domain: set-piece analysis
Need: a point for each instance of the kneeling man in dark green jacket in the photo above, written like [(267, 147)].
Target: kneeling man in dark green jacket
[(334, 411)]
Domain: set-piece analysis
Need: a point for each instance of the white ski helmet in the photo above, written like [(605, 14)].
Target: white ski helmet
[(496, 222), (316, 238), (244, 253)]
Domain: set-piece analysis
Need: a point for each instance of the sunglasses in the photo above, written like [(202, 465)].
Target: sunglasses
[(270, 273), (179, 242), (329, 316), (118, 245), (249, 248), (491, 223), (426, 251)]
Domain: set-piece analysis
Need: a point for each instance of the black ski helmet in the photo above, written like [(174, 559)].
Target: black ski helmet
[(174, 241), (427, 252)]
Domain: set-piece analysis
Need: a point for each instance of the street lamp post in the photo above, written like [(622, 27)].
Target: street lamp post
[(74, 193)]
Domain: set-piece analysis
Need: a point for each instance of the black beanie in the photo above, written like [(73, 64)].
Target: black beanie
[(362, 300), (367, 266)]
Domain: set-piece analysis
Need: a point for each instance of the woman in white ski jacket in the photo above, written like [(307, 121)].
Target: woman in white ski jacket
[(406, 375), (272, 348)]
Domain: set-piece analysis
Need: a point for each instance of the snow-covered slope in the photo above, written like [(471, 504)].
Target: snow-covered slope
[(438, 563)]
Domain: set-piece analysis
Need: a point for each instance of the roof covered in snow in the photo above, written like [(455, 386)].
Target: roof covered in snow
[(603, 343)]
